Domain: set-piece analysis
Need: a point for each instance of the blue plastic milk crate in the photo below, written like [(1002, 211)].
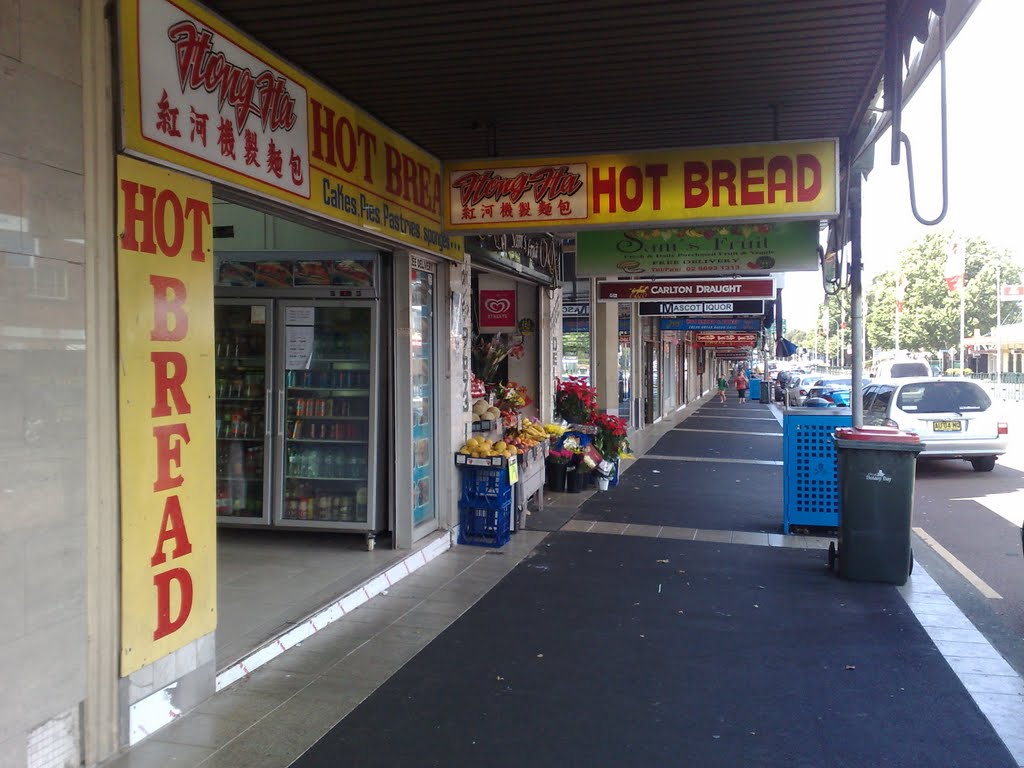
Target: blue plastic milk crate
[(811, 475), (485, 526), (485, 487)]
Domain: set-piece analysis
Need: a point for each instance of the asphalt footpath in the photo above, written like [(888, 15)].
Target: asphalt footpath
[(643, 650)]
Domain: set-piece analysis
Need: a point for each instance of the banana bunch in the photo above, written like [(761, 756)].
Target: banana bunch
[(533, 431)]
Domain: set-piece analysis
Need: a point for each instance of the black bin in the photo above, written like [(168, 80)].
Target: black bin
[(766, 392), (876, 499)]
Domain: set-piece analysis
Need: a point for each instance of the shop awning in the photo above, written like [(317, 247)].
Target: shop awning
[(464, 80)]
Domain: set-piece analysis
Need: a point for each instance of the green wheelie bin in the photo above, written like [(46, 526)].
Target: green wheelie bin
[(876, 500)]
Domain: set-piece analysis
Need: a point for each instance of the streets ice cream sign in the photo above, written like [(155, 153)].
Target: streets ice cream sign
[(207, 98), (497, 310)]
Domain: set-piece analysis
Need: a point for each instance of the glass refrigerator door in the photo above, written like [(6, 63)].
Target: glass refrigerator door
[(242, 331), (421, 365), (326, 425)]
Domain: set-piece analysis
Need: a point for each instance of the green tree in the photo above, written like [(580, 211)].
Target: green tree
[(930, 321)]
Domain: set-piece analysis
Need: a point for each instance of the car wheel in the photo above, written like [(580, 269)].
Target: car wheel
[(984, 463)]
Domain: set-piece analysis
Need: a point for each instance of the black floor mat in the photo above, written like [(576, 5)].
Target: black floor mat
[(618, 651)]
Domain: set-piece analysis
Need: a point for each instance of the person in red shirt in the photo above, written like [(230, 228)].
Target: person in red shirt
[(742, 385)]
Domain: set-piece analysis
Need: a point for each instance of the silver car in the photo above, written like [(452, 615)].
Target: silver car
[(797, 391), (954, 417)]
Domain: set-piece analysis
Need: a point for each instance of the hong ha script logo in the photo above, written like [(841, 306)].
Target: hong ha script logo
[(200, 67)]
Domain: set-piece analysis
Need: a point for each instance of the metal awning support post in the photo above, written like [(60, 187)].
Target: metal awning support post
[(856, 302)]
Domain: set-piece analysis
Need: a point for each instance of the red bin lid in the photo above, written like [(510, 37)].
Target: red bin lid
[(876, 435)]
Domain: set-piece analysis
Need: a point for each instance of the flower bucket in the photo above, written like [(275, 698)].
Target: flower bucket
[(602, 483), (555, 477), (576, 479)]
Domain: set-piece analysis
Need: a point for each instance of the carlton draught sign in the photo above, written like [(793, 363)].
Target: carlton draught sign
[(665, 290), (167, 416)]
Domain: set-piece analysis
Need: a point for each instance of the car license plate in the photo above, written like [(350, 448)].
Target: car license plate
[(947, 426)]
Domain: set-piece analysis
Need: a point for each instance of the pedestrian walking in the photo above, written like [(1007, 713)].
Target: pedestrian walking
[(722, 386), (742, 385)]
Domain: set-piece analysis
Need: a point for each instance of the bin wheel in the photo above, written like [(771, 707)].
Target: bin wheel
[(832, 555)]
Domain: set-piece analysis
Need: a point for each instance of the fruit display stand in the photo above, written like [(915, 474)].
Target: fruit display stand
[(532, 476)]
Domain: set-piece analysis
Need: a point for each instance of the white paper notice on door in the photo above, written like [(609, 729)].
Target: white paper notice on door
[(298, 347), (299, 315)]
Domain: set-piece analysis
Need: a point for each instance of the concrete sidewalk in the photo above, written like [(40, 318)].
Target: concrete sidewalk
[(667, 622)]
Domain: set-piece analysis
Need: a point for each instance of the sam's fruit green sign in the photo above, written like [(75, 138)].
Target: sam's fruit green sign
[(734, 249)]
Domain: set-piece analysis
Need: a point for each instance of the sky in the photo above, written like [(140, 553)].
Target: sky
[(985, 114)]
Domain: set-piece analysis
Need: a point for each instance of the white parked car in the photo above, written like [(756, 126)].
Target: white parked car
[(901, 369), (798, 388), (954, 417)]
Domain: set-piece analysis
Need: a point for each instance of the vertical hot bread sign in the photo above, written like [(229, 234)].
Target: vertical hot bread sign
[(166, 379)]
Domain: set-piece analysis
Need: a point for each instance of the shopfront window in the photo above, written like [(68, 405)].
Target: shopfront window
[(421, 366), (625, 359)]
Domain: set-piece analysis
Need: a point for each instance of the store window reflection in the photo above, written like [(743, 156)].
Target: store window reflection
[(625, 360)]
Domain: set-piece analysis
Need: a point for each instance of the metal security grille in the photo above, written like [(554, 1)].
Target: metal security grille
[(811, 475)]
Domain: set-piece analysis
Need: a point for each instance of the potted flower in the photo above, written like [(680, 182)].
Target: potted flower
[(556, 465), (575, 400), (611, 442)]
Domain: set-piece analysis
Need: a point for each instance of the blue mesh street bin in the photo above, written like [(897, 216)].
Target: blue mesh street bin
[(876, 499)]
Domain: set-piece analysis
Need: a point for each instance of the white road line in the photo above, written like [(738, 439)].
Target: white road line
[(707, 460), (1006, 505), (974, 579), (729, 432)]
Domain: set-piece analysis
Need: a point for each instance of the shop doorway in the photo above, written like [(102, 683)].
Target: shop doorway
[(652, 382), (304, 390)]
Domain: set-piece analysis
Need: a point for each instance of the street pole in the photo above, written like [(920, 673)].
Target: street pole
[(999, 329), (963, 281), (856, 303), (897, 334)]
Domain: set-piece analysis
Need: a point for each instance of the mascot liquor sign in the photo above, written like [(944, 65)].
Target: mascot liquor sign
[(761, 183)]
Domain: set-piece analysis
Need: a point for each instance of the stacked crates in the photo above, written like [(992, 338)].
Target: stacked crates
[(485, 508)]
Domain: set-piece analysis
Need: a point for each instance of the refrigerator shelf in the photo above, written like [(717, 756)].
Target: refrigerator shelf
[(325, 441), (343, 390), (228, 479), (330, 418), (221, 398), (327, 479), (254, 439)]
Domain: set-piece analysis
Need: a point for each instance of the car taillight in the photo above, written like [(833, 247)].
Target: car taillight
[(803, 391), (1003, 428)]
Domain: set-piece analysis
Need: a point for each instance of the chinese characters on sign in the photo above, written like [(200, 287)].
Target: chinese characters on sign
[(259, 115), (759, 183), (197, 94), (510, 195)]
